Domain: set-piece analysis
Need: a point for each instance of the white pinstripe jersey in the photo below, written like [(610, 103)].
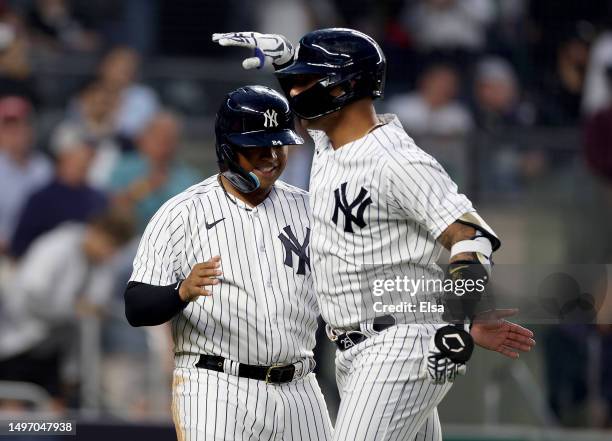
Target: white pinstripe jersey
[(378, 202), (264, 311)]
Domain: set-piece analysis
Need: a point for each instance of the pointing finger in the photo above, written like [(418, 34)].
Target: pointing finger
[(235, 42)]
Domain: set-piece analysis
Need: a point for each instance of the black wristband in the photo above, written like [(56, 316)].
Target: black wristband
[(462, 307)]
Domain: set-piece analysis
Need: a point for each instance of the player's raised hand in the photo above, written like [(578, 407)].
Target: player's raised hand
[(267, 48), (201, 275), (491, 331)]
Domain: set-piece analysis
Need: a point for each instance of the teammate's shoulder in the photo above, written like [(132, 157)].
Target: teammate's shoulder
[(396, 144), (289, 190)]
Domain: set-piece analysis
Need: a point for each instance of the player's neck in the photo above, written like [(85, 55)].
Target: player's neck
[(352, 123), (252, 199)]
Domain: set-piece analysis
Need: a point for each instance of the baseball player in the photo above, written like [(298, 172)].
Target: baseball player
[(227, 262), (381, 205)]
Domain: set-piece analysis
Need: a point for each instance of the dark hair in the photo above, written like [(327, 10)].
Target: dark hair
[(117, 224)]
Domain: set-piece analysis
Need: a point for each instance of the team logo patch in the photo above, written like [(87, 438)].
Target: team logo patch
[(359, 204), (270, 118), (293, 246)]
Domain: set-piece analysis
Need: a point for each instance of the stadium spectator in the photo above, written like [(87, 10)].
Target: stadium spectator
[(73, 260), (562, 86), (450, 25), (597, 92), (52, 25), (15, 69), (144, 180), (433, 109), (498, 111), (552, 20), (22, 169), (598, 138), (138, 103), (94, 111), (67, 197), (497, 96)]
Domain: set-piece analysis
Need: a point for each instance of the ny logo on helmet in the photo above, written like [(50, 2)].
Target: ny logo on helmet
[(360, 203), (270, 120), (293, 246)]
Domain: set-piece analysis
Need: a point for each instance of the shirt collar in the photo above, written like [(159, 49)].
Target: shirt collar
[(322, 141), (240, 203)]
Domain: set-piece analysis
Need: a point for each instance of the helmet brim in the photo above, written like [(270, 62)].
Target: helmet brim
[(263, 138), (298, 68)]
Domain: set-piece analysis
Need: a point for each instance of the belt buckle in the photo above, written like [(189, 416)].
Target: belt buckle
[(270, 370)]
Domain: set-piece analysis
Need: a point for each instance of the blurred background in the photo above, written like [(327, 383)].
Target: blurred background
[(107, 110)]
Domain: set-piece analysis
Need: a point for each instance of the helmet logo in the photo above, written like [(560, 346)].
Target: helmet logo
[(270, 120)]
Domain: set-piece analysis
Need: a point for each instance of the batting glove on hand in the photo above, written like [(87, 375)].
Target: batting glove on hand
[(449, 350), (268, 48)]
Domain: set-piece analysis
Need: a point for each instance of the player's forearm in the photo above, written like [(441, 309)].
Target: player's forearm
[(150, 305), (457, 232)]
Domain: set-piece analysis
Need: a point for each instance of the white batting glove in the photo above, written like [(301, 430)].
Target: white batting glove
[(449, 351), (268, 48)]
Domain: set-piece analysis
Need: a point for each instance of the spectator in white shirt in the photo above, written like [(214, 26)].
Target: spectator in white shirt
[(433, 109), (65, 274), (138, 103), (451, 24)]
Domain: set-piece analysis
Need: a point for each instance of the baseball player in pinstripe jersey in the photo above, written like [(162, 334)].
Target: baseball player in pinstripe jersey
[(382, 206), (227, 262)]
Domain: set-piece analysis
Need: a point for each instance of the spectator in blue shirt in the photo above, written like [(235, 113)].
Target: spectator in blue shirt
[(22, 168), (67, 197), (145, 179)]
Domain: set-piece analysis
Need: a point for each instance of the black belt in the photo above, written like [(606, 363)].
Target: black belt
[(350, 338), (269, 374)]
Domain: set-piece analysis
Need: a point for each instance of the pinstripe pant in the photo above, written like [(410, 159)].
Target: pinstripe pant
[(384, 394), (215, 406)]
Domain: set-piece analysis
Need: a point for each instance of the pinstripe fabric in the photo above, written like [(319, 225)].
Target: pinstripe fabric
[(378, 205), (384, 395), (264, 312), (412, 201), (215, 406), (431, 429)]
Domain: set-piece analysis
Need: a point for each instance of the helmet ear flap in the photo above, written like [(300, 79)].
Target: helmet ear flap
[(244, 181)]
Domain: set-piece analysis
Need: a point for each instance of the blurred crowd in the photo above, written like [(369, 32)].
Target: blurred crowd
[(76, 194)]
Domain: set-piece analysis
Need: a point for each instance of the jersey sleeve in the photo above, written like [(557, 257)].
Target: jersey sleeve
[(159, 256), (421, 189)]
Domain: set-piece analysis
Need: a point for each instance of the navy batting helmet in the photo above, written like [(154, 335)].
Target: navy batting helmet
[(342, 58), (251, 116)]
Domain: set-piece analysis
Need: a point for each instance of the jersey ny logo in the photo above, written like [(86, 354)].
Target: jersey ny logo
[(270, 118), (293, 246), (360, 203)]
